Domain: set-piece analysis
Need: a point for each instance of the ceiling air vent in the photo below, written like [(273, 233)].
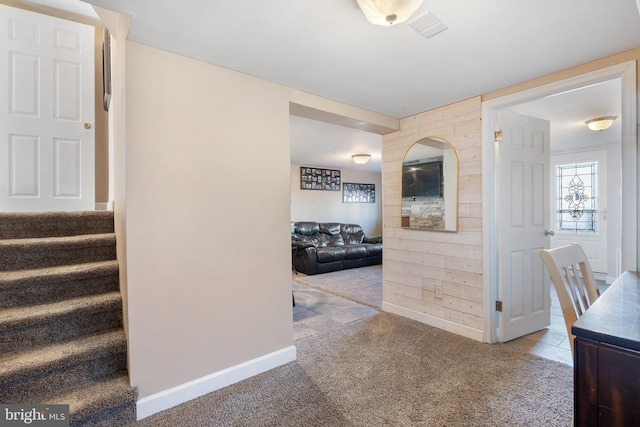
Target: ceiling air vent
[(428, 25)]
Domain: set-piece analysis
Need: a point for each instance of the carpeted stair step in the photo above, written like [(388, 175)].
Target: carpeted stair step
[(54, 224), (24, 327), (21, 254), (58, 368), (61, 331), (46, 285), (107, 403)]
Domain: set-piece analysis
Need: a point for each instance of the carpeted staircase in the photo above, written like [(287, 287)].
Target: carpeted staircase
[(61, 334)]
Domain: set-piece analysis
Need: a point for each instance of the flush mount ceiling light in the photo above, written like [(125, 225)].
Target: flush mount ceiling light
[(360, 159), (601, 123), (388, 12)]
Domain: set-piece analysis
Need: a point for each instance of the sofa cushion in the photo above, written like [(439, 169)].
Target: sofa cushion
[(306, 228), (327, 267), (373, 249), (352, 234), (354, 251), (354, 263), (309, 232), (330, 254), (372, 239), (318, 240), (331, 228), (333, 240)]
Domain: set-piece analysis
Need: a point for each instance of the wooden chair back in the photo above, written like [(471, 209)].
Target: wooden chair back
[(573, 281)]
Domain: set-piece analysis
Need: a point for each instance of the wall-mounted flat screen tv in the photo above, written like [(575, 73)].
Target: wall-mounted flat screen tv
[(422, 179)]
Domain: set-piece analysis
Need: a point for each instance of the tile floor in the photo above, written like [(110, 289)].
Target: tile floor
[(551, 342), (317, 311)]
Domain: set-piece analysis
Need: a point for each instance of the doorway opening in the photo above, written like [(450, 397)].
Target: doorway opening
[(627, 258), (324, 141)]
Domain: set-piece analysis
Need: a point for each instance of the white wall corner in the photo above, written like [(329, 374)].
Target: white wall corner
[(199, 387)]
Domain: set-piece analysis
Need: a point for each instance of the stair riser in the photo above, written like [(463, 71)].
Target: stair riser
[(51, 291), (54, 224), (18, 259), (28, 388), (61, 328)]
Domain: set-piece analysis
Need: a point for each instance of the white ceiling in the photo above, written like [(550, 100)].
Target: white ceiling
[(328, 48), (74, 6), (568, 112), (320, 144), (316, 143)]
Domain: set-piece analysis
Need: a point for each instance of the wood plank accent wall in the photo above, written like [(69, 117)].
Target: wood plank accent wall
[(415, 261)]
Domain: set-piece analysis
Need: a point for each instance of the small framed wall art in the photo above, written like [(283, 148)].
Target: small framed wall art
[(358, 193), (319, 179)]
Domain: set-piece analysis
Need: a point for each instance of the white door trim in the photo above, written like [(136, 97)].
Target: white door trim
[(630, 221)]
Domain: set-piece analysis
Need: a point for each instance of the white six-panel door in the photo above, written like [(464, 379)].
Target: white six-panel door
[(523, 181), (46, 113)]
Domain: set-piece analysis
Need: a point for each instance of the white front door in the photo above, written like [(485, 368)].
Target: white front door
[(578, 188), (46, 114), (523, 180)]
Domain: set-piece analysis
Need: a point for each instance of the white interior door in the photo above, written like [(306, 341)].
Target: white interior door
[(523, 177), (586, 187), (47, 111)]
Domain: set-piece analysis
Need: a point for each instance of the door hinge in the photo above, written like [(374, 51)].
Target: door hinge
[(499, 306), (497, 136)]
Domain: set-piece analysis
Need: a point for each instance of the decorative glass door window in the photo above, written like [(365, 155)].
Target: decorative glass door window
[(577, 197)]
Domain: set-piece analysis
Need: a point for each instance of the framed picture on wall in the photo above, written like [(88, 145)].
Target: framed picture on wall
[(319, 179), (358, 193)]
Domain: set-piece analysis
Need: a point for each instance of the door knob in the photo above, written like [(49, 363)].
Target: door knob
[(87, 125), (548, 233)]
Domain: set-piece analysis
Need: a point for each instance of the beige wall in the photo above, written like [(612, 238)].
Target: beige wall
[(207, 218), (327, 206), (415, 261), (118, 25)]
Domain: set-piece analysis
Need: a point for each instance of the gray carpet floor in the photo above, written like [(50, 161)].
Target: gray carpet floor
[(364, 287), (389, 370)]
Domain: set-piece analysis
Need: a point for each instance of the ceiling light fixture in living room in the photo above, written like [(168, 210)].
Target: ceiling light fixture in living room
[(360, 159), (388, 12)]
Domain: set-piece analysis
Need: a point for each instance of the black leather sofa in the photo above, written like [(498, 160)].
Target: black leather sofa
[(331, 246)]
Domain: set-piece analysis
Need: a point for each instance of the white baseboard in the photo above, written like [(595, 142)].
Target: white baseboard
[(437, 322), (102, 206), (174, 396)]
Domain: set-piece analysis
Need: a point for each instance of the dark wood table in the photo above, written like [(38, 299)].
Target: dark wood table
[(607, 357)]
